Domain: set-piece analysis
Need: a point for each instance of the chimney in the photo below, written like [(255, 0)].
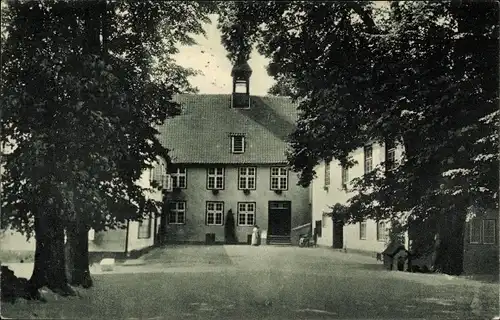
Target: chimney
[(241, 85)]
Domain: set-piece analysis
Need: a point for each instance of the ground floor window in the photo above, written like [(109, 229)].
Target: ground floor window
[(489, 231), (246, 213), (215, 213), (362, 230), (482, 231), (382, 233), (177, 214), (144, 231)]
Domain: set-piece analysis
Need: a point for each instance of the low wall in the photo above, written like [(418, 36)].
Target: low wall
[(297, 231)]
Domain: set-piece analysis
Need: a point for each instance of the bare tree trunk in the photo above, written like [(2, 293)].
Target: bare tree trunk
[(77, 253), (49, 268), (77, 248)]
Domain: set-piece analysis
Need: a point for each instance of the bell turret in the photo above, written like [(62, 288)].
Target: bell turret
[(241, 73)]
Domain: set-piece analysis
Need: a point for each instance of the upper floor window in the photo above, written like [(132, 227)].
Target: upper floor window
[(179, 178), (246, 178), (327, 174), (345, 177), (215, 178), (368, 151), (279, 178), (237, 144), (390, 155), (177, 214)]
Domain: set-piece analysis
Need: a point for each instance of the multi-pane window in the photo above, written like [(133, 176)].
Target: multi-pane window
[(381, 231), (215, 213), (390, 155), (362, 230), (246, 178), (246, 213), (279, 178), (345, 177), (144, 231), (279, 205), (179, 178), (475, 231), (177, 214), (368, 151), (327, 174), (237, 144), (482, 231), (157, 174), (215, 178), (489, 231)]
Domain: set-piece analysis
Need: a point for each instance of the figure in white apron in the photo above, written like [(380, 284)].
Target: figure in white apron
[(255, 236)]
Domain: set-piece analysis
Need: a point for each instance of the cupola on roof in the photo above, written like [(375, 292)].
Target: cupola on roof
[(241, 70)]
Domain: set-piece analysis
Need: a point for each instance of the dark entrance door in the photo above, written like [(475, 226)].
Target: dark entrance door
[(338, 234), (280, 218)]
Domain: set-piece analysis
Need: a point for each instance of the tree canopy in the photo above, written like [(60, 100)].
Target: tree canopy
[(417, 73), (84, 84)]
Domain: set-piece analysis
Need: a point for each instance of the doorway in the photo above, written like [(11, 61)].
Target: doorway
[(338, 234), (280, 218)]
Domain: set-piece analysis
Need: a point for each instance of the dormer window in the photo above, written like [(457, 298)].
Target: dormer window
[(237, 144)]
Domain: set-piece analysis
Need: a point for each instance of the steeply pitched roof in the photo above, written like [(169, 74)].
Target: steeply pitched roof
[(201, 134)]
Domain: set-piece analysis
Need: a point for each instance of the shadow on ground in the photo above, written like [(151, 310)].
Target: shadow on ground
[(192, 255)]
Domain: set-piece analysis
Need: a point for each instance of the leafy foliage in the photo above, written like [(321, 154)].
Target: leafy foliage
[(415, 72), (405, 72), (84, 85)]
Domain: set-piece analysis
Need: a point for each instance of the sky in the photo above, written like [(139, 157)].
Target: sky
[(209, 56)]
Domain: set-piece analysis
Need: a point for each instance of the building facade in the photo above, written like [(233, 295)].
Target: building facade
[(130, 237), (481, 249), (481, 237), (330, 187), (229, 159)]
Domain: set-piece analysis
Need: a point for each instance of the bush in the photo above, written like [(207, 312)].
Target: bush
[(13, 287)]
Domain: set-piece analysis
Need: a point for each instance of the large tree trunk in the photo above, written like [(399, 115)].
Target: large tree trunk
[(49, 269), (450, 252), (77, 255), (448, 223)]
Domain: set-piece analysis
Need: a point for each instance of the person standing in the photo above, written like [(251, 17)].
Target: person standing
[(255, 236)]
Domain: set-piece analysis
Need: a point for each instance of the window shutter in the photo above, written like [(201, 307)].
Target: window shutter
[(155, 174), (167, 185), (238, 144)]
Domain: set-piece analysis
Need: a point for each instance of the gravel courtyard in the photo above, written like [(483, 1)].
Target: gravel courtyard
[(266, 282)]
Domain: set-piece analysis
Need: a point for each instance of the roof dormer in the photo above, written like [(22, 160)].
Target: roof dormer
[(241, 73)]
